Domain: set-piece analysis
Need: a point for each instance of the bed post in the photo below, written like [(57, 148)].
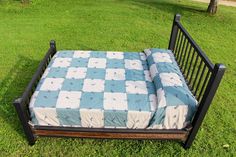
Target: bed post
[(211, 89), (53, 46), (174, 32), (24, 119)]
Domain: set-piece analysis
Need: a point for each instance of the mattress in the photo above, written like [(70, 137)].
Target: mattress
[(104, 89)]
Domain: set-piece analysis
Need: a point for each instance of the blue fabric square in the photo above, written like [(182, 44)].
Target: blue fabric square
[(157, 82), (134, 75), (131, 55), (98, 54), (115, 86), (34, 120), (97, 73), (138, 102), (151, 88), (176, 95), (155, 50), (179, 95), (115, 63), (57, 72), (72, 84), (150, 60), (145, 65), (46, 99), (79, 62), (68, 116), (158, 117), (115, 118), (92, 100), (164, 67), (65, 54)]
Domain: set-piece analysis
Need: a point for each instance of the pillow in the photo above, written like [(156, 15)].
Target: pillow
[(171, 88)]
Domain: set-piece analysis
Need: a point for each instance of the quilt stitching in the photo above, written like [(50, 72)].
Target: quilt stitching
[(96, 82)]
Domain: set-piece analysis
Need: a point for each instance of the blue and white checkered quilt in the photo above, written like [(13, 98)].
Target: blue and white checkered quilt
[(112, 90), (175, 103)]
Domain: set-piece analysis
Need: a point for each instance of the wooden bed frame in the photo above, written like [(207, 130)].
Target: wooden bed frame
[(202, 77)]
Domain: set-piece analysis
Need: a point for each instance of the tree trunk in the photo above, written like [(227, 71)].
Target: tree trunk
[(212, 8)]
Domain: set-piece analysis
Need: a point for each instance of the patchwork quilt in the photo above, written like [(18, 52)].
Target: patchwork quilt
[(103, 89)]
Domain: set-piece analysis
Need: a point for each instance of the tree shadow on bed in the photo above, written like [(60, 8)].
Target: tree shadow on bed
[(12, 87)]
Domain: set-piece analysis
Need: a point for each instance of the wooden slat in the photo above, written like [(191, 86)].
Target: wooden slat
[(110, 135), (184, 56), (194, 67), (178, 42), (199, 80), (179, 46), (205, 82), (186, 63), (197, 74), (182, 51)]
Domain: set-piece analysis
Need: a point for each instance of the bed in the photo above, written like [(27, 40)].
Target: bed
[(153, 94)]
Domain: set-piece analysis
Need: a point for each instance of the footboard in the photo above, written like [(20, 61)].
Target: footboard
[(202, 77), (22, 104)]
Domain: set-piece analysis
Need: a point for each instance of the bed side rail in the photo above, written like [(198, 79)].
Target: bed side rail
[(21, 104), (201, 75)]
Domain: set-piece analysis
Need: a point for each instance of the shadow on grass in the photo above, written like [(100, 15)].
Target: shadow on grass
[(170, 6), (12, 86)]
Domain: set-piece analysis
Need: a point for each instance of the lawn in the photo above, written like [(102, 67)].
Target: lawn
[(131, 25)]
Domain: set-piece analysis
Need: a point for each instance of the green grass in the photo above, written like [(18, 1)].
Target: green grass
[(133, 25)]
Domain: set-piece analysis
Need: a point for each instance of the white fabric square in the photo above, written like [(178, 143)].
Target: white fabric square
[(61, 62), (92, 118), (115, 55), (175, 117), (153, 70), (133, 64), (97, 63), (147, 75), (68, 99), (115, 74), (46, 116), (93, 85), (148, 52), (161, 99), (153, 102), (76, 73), (143, 56), (52, 84), (136, 87), (115, 101), (170, 79), (138, 119), (161, 57), (81, 54)]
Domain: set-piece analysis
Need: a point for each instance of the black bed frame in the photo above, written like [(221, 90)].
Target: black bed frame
[(202, 77)]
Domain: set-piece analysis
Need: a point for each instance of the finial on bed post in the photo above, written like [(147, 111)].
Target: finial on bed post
[(53, 45), (174, 32), (177, 17)]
